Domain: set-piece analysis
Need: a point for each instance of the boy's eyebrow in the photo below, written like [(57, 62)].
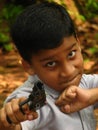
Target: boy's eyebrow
[(69, 48), (46, 59), (51, 57)]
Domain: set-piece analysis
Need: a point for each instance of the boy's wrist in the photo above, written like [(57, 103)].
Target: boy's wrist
[(94, 96)]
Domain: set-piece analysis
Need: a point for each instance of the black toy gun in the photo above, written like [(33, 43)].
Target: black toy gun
[(36, 99)]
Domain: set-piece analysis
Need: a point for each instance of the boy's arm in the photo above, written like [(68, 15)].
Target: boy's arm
[(74, 99)]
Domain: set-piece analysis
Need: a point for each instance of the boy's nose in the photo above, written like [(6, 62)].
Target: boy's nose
[(67, 70)]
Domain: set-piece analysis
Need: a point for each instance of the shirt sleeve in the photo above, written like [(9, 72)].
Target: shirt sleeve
[(89, 81), (27, 125), (22, 91)]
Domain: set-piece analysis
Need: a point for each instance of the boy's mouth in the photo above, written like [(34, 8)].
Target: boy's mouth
[(72, 81)]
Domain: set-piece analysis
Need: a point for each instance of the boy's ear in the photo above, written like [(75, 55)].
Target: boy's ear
[(79, 43), (27, 67)]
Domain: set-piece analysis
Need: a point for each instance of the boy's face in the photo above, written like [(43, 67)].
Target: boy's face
[(60, 67)]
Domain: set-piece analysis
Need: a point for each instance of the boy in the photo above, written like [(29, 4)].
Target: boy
[(45, 37)]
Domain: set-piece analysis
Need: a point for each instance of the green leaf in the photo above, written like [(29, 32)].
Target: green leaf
[(8, 47)]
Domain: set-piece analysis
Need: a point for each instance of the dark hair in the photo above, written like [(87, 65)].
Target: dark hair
[(41, 26)]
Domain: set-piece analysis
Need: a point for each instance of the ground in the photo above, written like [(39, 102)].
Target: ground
[(12, 74)]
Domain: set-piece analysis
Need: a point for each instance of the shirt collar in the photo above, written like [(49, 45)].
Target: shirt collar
[(48, 90)]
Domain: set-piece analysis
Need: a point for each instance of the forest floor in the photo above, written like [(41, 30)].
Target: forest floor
[(12, 74)]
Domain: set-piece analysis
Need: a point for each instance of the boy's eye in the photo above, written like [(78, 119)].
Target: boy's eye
[(72, 54), (51, 64)]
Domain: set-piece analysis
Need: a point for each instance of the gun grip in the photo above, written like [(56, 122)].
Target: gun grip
[(21, 105)]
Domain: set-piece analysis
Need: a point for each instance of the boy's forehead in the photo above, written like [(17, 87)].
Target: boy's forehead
[(67, 44)]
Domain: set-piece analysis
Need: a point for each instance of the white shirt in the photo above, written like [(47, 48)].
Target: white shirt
[(50, 117)]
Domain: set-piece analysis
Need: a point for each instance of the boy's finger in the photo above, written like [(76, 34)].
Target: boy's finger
[(13, 113), (3, 119), (67, 96), (32, 116), (66, 108), (25, 111), (60, 102), (9, 113), (65, 100), (17, 112)]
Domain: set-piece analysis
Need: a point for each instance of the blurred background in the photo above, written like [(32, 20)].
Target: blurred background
[(85, 16)]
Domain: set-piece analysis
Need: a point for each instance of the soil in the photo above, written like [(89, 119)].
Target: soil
[(12, 74)]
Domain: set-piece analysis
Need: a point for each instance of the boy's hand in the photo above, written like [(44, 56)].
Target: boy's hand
[(12, 111), (75, 98)]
